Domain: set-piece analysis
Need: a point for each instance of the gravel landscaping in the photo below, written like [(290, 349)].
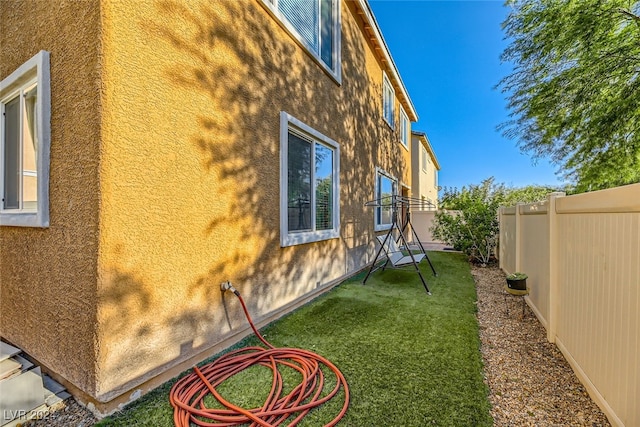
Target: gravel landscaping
[(530, 382)]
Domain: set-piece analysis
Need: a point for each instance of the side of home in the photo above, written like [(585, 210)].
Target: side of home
[(424, 183), (424, 171), (188, 144)]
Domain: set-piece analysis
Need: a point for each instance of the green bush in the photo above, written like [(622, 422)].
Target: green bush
[(469, 219)]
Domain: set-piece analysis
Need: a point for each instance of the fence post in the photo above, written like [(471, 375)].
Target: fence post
[(500, 238), (518, 238), (552, 324)]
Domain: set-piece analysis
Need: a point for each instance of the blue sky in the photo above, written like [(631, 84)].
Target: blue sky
[(448, 55)]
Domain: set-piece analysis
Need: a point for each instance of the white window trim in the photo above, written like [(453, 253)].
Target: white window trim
[(335, 73), (405, 127), (36, 70), (386, 83), (380, 171), (298, 238)]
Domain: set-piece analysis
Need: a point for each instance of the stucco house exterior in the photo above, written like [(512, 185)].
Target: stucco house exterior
[(152, 149), (424, 186), (424, 170)]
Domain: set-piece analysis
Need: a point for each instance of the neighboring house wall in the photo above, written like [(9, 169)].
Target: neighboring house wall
[(48, 276), (581, 255), (424, 185), (165, 182), (422, 221), (424, 170)]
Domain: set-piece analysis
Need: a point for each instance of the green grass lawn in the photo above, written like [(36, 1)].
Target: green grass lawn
[(410, 359)]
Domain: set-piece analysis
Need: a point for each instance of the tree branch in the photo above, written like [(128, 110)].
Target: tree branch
[(629, 14)]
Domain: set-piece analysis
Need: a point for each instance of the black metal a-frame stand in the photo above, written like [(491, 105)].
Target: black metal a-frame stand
[(407, 224), (395, 202)]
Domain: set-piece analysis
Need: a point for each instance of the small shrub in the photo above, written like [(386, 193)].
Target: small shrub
[(473, 228), (469, 222)]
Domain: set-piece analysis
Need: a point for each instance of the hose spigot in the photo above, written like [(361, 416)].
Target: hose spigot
[(227, 286)]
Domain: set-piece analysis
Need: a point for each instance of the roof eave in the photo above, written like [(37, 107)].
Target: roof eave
[(386, 53), (427, 144)]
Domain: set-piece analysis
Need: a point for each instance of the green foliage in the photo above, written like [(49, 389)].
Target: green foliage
[(574, 94), (409, 359), (528, 194), (517, 276), (473, 226)]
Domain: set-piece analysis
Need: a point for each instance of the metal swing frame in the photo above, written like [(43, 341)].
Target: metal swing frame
[(407, 260)]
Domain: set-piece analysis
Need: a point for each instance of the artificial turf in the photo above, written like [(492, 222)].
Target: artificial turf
[(410, 359)]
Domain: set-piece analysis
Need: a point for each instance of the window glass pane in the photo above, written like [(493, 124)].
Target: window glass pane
[(11, 154), (388, 100), (299, 183), (30, 151), (404, 128), (304, 16), (424, 159), (326, 28), (324, 188), (385, 193)]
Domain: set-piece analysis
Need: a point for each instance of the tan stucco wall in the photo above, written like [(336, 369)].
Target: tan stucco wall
[(406, 160), (190, 176), (422, 221), (424, 184), (48, 276)]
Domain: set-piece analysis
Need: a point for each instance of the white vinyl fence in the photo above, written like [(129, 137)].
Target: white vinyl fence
[(582, 255)]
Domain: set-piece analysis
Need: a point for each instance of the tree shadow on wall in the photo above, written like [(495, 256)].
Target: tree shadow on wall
[(238, 57)]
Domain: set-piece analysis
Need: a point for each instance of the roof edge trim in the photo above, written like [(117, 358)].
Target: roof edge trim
[(393, 69)]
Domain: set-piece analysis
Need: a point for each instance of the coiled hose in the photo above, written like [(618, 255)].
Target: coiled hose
[(188, 394)]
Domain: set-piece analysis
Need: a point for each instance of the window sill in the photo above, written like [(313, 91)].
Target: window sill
[(382, 227), (302, 238), (32, 219)]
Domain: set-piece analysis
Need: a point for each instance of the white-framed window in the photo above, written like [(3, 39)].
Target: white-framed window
[(405, 128), (316, 25), (386, 187), (388, 100), (25, 137), (423, 152), (309, 184)]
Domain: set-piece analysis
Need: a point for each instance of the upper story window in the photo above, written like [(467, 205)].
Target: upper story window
[(405, 128), (386, 188), (309, 184), (25, 135), (316, 24), (388, 100), (423, 151)]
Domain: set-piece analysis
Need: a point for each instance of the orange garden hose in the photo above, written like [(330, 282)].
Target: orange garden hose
[(188, 394)]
